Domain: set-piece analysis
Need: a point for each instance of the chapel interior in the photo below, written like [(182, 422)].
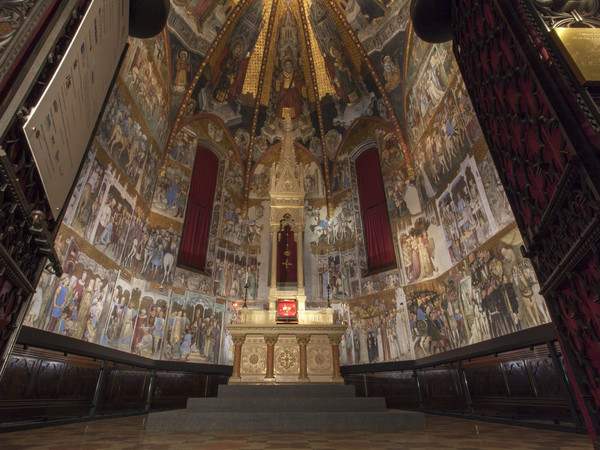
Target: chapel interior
[(392, 199)]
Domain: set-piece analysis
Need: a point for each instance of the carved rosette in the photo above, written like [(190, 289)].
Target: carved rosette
[(319, 356), (254, 356), (286, 360)]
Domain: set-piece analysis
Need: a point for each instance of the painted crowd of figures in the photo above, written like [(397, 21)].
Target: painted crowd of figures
[(495, 295), (98, 309), (379, 332)]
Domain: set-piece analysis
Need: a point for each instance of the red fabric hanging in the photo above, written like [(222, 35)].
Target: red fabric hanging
[(204, 178), (378, 238), (286, 272), (199, 209), (370, 182)]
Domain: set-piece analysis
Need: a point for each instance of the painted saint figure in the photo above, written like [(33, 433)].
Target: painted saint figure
[(289, 87), (228, 74), (182, 70), (344, 76)]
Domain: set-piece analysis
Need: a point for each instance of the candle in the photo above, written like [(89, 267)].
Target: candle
[(246, 267), (246, 274), (341, 274)]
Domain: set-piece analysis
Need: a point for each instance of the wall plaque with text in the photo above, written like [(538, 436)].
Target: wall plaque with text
[(581, 48)]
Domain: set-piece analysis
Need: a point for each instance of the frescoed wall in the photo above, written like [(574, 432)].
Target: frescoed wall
[(122, 227), (491, 293), (459, 271), (458, 276)]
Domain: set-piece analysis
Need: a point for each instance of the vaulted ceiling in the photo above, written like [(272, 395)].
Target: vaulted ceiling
[(323, 63)]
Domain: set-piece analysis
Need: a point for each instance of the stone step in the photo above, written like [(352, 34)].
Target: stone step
[(186, 420), (286, 390), (243, 405)]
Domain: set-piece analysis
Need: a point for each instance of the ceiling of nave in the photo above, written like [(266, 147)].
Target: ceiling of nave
[(250, 64)]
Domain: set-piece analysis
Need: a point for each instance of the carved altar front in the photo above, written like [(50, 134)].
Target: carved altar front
[(286, 353)]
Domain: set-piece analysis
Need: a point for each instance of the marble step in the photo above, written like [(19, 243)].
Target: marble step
[(187, 420), (273, 404), (286, 390)]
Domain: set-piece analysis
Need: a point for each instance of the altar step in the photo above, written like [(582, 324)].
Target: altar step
[(286, 390), (285, 407)]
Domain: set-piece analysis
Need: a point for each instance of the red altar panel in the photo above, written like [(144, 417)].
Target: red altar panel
[(289, 271)]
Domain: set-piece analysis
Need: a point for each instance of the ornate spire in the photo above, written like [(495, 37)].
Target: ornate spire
[(289, 179)]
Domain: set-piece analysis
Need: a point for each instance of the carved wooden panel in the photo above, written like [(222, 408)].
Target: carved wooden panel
[(518, 379), (124, 388), (44, 384), (441, 389), (486, 380), (172, 389), (18, 377), (398, 388), (545, 378)]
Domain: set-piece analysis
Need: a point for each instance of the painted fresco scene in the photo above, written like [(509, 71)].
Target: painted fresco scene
[(242, 90), (194, 329), (170, 195), (379, 331), (465, 213), (493, 292)]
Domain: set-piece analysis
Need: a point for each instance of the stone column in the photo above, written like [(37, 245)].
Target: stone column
[(300, 260), (335, 340), (303, 341), (270, 340), (274, 258), (238, 341)]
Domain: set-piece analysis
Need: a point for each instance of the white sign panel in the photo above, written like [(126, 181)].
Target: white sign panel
[(61, 125)]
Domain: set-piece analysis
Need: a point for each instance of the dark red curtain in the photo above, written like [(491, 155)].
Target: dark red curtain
[(199, 209), (378, 238), (370, 181), (286, 272), (204, 178)]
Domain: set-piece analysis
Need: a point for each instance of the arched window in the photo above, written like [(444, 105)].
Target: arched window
[(376, 223), (194, 241)]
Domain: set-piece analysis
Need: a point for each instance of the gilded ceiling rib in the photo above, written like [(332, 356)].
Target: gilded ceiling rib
[(231, 20), (342, 18), (259, 89), (313, 75)]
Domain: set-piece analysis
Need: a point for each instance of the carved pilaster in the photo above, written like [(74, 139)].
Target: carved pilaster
[(335, 340), (303, 341), (270, 340), (273, 258), (300, 260), (238, 341)]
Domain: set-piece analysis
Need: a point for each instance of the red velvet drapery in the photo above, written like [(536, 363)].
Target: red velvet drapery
[(370, 181), (199, 209), (287, 272), (378, 238)]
